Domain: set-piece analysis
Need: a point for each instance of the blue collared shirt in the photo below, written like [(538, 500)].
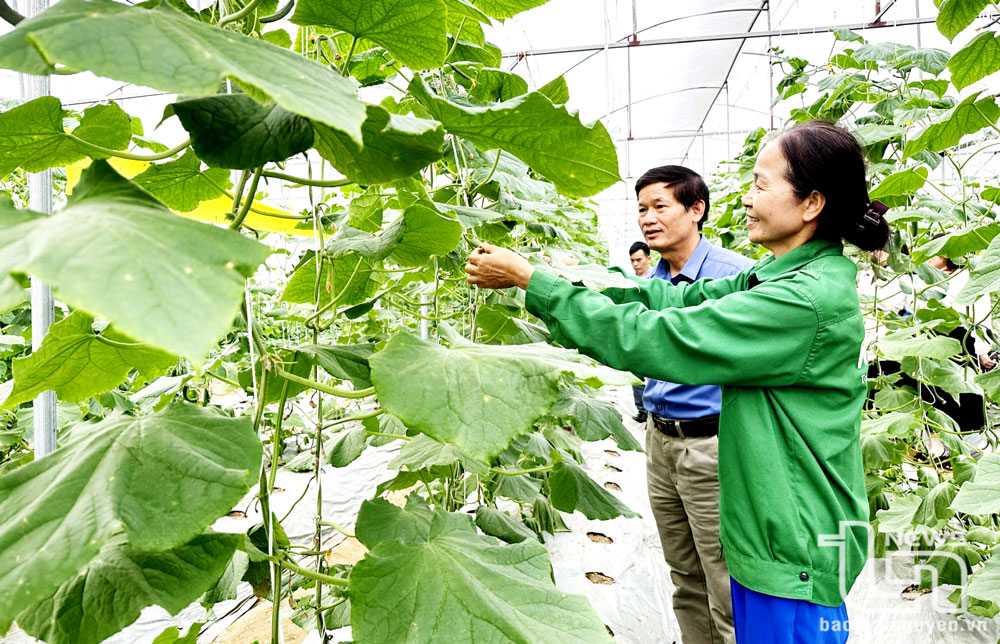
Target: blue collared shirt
[(669, 399)]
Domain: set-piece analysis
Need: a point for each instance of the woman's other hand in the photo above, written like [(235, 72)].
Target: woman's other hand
[(494, 267)]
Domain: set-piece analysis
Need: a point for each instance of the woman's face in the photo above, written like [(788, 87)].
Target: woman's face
[(776, 218)]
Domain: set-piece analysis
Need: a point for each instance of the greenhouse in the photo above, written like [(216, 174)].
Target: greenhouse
[(485, 321)]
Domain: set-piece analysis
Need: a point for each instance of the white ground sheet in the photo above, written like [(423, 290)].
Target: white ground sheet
[(636, 606)]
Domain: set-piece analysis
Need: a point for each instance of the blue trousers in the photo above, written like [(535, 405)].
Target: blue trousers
[(765, 619)]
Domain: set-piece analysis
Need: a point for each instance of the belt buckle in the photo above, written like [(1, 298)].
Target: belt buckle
[(677, 428)]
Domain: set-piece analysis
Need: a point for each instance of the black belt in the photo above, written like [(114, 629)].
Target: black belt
[(687, 427)]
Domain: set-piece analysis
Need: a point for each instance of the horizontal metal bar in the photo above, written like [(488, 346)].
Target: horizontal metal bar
[(683, 134), (773, 33)]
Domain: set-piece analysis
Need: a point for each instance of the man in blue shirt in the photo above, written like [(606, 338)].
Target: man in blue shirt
[(683, 424)]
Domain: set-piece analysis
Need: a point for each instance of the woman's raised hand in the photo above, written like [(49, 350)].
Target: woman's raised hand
[(494, 267)]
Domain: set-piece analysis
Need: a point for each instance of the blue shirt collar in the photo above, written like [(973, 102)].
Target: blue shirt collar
[(691, 268)]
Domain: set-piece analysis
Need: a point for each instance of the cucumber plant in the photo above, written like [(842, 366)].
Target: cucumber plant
[(194, 359)]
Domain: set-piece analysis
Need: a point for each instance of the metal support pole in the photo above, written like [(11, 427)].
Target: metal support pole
[(42, 305), (42, 316), (704, 161), (425, 309), (729, 129), (770, 70)]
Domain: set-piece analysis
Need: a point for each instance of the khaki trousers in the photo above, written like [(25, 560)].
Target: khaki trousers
[(683, 484)]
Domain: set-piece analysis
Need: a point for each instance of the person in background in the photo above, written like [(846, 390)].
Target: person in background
[(638, 254), (783, 338)]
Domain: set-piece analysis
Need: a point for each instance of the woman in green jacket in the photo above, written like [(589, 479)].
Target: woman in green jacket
[(783, 339)]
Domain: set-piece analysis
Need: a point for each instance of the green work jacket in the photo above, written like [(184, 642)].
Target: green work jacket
[(783, 339)]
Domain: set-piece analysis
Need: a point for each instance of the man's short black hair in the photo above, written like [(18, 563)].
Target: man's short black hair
[(688, 186), (637, 247)]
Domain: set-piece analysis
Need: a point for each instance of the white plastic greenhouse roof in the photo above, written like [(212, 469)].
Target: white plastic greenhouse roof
[(673, 81), (685, 82)]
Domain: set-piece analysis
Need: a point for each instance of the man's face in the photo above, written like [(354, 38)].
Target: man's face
[(640, 262), (665, 222)]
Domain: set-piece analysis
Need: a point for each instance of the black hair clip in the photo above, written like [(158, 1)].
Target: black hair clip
[(874, 212)]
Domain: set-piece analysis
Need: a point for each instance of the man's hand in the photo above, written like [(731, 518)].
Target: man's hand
[(494, 267), (986, 361)]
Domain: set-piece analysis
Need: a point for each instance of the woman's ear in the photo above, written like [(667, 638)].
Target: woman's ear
[(814, 204)]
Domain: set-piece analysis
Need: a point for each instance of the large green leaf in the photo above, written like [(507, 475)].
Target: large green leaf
[(470, 217), (424, 451), (956, 15), (345, 361), (414, 31), (501, 525), (898, 185), (968, 117), (464, 9), (346, 446), (350, 240), (504, 9), (948, 375), (225, 587), (872, 133), (968, 239), (933, 510), (897, 423), (907, 342), (380, 521), (16, 225), (349, 279), (458, 586), (975, 61), (932, 61), (493, 85), (235, 131), (116, 251), (990, 383), (899, 516), (109, 594), (32, 135), (412, 239), (579, 159), (556, 90), (985, 277), (366, 211), (181, 184), (985, 582), (572, 489), (173, 53), (394, 147), (426, 233), (879, 449), (594, 417), (416, 236), (880, 51), (301, 286), (979, 496), (477, 397), (77, 363), (172, 635), (161, 479)]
